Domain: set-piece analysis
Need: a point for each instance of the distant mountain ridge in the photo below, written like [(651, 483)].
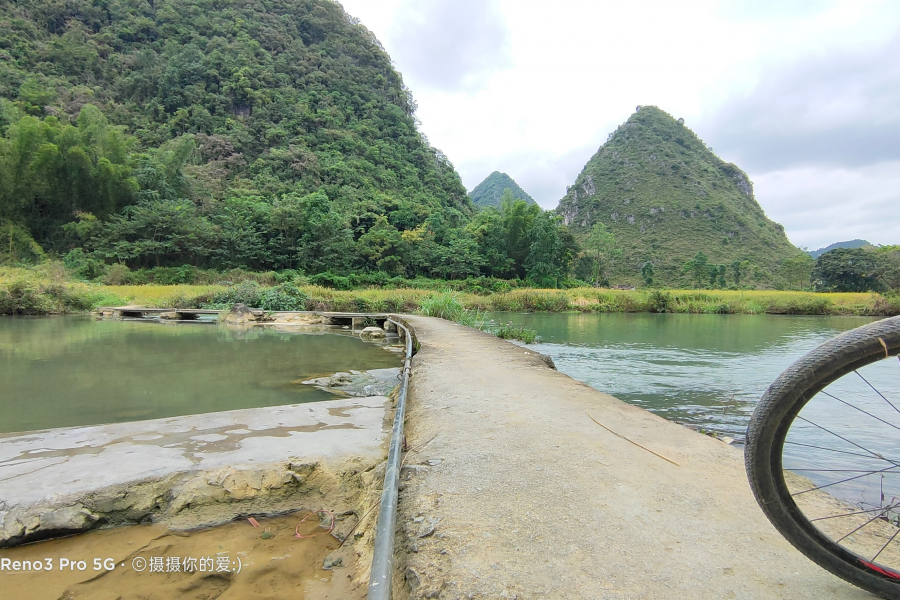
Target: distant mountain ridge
[(665, 196), (488, 192), (834, 246)]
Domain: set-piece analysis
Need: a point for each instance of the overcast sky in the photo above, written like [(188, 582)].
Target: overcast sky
[(804, 96)]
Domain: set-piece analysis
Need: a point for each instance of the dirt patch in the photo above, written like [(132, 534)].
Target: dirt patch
[(237, 560)]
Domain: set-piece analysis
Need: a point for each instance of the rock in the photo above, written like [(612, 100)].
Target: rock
[(378, 382), (389, 327), (548, 361), (340, 379), (241, 313), (332, 562), (372, 333), (70, 518), (426, 530), (412, 578)]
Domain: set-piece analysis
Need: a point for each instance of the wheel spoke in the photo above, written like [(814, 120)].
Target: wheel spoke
[(877, 392), (863, 411), (864, 449), (834, 470), (819, 487), (875, 518), (839, 451), (880, 509), (886, 545)]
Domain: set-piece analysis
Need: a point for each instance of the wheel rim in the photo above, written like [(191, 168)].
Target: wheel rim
[(838, 460)]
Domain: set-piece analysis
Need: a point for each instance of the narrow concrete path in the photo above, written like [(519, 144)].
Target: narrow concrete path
[(512, 491)]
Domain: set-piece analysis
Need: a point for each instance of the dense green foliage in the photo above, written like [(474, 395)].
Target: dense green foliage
[(223, 134), (858, 270), (490, 191), (665, 197)]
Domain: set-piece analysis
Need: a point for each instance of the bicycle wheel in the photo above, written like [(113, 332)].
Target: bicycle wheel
[(823, 456)]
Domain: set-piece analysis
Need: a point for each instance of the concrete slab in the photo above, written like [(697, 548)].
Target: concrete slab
[(72, 479)]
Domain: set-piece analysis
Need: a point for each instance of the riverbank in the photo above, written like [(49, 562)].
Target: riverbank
[(49, 290), (512, 490)]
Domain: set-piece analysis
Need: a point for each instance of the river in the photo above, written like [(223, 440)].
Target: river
[(703, 370), (73, 370), (709, 371)]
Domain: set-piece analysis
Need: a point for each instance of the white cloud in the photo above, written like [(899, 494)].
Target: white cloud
[(449, 45), (821, 205)]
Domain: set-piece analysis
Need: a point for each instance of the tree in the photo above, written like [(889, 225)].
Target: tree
[(325, 242), (459, 258), (890, 258), (738, 268), (647, 272), (50, 171), (488, 230), (544, 257), (518, 217), (381, 247), (156, 232), (698, 267), (601, 243), (849, 270), (798, 269)]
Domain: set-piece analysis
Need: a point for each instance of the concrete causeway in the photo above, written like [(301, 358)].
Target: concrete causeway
[(511, 490)]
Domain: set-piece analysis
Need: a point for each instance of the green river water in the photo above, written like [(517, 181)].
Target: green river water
[(709, 371), (704, 370), (67, 371)]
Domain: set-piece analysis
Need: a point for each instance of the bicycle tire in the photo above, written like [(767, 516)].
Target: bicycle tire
[(767, 431)]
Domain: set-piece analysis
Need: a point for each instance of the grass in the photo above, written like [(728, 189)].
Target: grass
[(48, 289), (510, 331), (449, 305)]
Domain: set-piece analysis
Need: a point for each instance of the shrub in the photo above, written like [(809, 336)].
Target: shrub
[(444, 306), (659, 301), (285, 296), (522, 333), (83, 266), (117, 274), (330, 280)]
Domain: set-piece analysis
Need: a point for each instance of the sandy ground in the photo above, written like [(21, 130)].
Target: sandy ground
[(512, 491), (268, 562)]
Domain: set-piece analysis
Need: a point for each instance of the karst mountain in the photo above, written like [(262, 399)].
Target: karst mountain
[(666, 196)]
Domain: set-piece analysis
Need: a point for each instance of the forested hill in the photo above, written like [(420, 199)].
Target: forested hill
[(489, 191), (848, 244), (259, 133), (665, 197)]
